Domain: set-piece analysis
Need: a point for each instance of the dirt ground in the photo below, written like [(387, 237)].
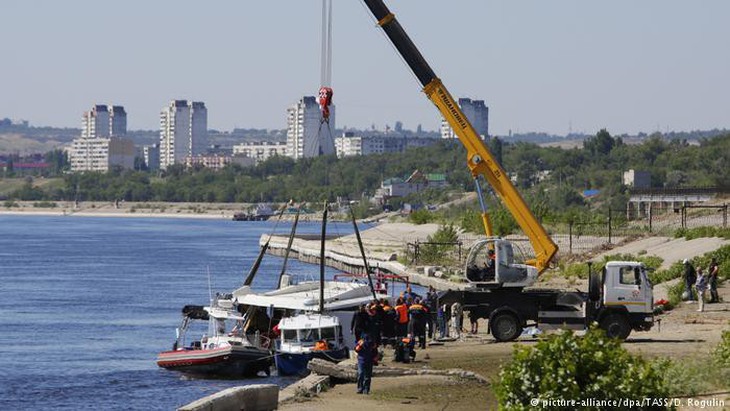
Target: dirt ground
[(683, 332)]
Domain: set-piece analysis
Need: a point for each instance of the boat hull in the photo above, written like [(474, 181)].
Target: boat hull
[(296, 363), (233, 361)]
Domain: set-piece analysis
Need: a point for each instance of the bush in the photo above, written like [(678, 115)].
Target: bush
[(702, 232), (439, 253), (722, 352), (421, 216), (565, 366), (675, 294), (45, 204)]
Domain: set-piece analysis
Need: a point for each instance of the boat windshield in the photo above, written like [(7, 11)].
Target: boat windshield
[(309, 335), (328, 333), (290, 335)]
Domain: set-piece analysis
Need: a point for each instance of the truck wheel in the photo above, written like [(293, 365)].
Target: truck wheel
[(506, 327), (616, 326)]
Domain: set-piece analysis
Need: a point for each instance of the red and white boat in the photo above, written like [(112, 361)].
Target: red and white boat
[(221, 351)]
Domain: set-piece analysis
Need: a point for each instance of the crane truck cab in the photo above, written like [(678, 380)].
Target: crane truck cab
[(622, 298)]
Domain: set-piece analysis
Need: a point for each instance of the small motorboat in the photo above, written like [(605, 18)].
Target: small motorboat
[(307, 336), (225, 350)]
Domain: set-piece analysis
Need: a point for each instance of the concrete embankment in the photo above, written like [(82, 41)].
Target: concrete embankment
[(256, 397), (345, 256)]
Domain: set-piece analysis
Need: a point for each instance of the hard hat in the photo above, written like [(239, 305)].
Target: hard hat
[(685, 261)]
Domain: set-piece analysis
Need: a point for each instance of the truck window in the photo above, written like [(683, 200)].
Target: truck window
[(630, 276), (505, 254)]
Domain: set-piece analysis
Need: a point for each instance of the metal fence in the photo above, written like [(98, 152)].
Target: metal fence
[(582, 237)]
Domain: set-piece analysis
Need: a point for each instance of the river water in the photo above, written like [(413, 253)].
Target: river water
[(86, 304)]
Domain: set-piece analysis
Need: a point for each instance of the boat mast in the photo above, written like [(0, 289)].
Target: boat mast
[(288, 247), (362, 252), (321, 259)]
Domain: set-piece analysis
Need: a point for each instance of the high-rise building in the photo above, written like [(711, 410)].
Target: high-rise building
[(477, 113), (102, 144), (183, 131), (306, 134), (151, 155), (104, 121)]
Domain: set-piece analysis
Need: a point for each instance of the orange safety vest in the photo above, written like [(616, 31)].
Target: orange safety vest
[(418, 307), (320, 346), (402, 311)]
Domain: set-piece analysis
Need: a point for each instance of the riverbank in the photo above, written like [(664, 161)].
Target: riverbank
[(122, 209), (224, 211)]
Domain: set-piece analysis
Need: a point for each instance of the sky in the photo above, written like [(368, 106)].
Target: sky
[(546, 66)]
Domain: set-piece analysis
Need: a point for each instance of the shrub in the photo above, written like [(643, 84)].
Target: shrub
[(722, 352), (675, 294), (702, 232), (439, 253), (45, 204), (565, 366), (421, 216)]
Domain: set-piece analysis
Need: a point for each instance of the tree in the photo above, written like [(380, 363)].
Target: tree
[(601, 144)]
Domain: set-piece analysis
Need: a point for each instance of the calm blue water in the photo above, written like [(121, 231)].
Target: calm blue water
[(87, 303)]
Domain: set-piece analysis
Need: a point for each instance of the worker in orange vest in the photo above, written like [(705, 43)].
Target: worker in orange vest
[(401, 327), (389, 320), (418, 313)]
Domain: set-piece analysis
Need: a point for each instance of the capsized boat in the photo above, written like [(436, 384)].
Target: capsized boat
[(341, 300), (307, 336), (225, 350)]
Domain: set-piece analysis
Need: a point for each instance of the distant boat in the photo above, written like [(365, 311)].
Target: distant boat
[(225, 350), (262, 213)]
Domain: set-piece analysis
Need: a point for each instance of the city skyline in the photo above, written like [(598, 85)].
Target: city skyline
[(557, 67)]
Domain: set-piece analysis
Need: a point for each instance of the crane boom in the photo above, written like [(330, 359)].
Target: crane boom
[(479, 159)]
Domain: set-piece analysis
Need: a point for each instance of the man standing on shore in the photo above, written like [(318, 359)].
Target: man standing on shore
[(367, 356), (457, 316)]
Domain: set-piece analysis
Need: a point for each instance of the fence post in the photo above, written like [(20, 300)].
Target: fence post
[(684, 215), (570, 237), (724, 216), (651, 215), (417, 250), (609, 225)]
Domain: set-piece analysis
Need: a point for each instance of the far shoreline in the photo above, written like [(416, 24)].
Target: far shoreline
[(220, 211), (207, 211)]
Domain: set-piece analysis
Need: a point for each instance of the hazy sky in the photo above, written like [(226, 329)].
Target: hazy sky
[(625, 65)]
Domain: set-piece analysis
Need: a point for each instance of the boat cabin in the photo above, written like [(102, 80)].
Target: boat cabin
[(309, 332)]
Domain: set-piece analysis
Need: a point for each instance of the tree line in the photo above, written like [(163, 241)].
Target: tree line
[(551, 179)]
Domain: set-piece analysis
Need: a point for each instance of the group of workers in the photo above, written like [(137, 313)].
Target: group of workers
[(412, 316), (380, 323)]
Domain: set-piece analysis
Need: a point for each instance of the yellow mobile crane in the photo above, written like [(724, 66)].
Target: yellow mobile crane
[(502, 271), (619, 299)]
